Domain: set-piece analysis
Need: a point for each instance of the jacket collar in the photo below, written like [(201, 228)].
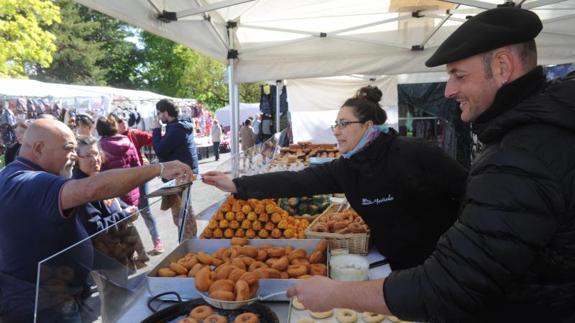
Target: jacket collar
[(509, 96)]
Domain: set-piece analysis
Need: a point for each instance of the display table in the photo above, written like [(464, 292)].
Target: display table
[(138, 309)]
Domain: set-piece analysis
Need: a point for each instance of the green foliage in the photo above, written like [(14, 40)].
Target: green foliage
[(92, 49), (23, 39), (178, 71)]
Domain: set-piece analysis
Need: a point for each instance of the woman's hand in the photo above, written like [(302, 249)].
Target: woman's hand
[(219, 180)]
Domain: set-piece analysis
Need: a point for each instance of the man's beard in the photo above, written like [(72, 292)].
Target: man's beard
[(66, 171)]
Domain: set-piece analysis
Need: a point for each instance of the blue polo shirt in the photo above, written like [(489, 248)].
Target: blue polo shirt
[(33, 226)]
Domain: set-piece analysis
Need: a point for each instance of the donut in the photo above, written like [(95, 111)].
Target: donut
[(249, 251), (298, 253), (203, 279), (166, 272), (318, 269), (296, 270), (262, 273), (300, 261), (316, 257), (346, 316), (201, 312), (321, 315), (250, 278), (242, 290), (215, 318), (204, 258), (239, 263), (222, 295), (247, 260), (281, 264), (236, 274), (223, 284), (369, 317), (276, 252), (295, 303), (262, 255), (223, 271), (247, 318), (195, 269), (178, 268), (321, 246), (273, 273)]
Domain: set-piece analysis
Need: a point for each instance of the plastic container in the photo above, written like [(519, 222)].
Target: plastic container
[(349, 268)]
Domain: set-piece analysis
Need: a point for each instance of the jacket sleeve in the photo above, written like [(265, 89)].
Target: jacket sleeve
[(134, 160), (319, 179), (510, 212), (144, 138), (173, 138)]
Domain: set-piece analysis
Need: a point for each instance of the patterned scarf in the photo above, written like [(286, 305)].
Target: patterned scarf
[(368, 137)]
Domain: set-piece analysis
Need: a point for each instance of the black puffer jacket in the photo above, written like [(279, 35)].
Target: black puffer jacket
[(510, 257), (408, 191)]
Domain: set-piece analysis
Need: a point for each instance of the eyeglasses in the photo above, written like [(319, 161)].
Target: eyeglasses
[(340, 124)]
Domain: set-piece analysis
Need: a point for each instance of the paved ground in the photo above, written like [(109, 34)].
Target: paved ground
[(202, 197)]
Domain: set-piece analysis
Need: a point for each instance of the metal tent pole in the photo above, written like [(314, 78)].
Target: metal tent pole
[(278, 92)]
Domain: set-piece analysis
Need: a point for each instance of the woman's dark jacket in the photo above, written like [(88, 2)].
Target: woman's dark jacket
[(407, 190), (510, 257)]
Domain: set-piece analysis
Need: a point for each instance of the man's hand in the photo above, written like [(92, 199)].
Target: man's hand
[(318, 294), (178, 170), (156, 123), (132, 212), (219, 180)]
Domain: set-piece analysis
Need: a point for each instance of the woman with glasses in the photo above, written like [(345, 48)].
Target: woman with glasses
[(117, 237), (407, 190)]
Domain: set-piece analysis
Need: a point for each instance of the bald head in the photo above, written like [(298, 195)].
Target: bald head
[(50, 144)]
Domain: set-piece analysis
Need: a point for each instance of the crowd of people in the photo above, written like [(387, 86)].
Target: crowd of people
[(493, 243), (78, 181)]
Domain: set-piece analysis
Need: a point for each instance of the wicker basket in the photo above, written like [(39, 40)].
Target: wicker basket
[(356, 243)]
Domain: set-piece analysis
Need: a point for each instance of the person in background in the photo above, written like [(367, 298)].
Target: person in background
[(407, 190), (216, 138), (120, 153), (85, 125), (141, 139), (510, 257), (12, 151), (38, 209), (248, 140), (177, 143)]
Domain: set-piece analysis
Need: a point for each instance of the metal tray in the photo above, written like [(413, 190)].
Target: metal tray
[(179, 311), (186, 287)]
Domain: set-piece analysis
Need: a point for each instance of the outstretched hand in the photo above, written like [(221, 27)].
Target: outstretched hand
[(219, 180), (178, 170)]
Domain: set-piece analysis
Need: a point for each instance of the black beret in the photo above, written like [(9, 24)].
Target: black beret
[(486, 31)]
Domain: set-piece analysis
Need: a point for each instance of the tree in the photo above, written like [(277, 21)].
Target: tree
[(178, 71), (92, 49), (23, 41)]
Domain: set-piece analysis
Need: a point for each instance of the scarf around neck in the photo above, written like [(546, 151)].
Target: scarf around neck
[(368, 137)]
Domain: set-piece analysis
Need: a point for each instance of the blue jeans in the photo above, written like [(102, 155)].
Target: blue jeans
[(217, 149), (146, 213)]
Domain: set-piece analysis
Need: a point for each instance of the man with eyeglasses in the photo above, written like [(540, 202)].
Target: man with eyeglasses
[(510, 256), (38, 204)]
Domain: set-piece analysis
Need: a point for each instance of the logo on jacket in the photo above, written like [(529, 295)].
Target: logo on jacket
[(377, 201)]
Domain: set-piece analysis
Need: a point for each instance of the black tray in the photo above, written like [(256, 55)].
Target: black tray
[(181, 310)]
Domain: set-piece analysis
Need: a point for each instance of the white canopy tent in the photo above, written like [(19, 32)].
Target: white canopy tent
[(276, 39), (37, 89), (246, 110)]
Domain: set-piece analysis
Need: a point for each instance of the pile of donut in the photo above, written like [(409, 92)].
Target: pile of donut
[(206, 314), (233, 273), (347, 221), (341, 315), (253, 219)]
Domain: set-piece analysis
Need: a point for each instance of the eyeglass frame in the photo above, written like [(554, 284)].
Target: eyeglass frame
[(89, 156), (342, 124)]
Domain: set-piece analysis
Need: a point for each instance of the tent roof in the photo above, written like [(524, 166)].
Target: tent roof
[(278, 39)]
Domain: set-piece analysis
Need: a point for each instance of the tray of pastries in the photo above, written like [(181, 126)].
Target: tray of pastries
[(299, 314)]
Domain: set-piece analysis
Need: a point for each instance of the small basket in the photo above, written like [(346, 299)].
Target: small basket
[(355, 243)]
